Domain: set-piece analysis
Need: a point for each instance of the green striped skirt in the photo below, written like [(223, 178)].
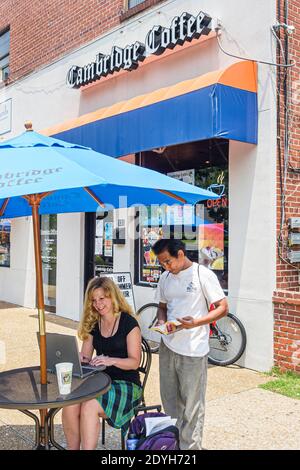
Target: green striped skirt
[(120, 402)]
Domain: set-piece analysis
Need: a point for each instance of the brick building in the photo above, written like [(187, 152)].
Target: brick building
[(287, 296), (45, 31), (42, 40)]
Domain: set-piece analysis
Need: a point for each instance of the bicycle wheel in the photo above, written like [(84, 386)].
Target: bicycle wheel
[(146, 317), (227, 342)]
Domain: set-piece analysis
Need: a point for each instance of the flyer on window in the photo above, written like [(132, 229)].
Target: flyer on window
[(108, 239)]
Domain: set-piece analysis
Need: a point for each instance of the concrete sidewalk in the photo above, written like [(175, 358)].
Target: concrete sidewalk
[(238, 414)]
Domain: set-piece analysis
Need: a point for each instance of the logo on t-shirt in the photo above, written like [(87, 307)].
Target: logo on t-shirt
[(191, 287)]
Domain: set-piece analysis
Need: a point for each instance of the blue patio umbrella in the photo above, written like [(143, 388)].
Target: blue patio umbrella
[(42, 175)]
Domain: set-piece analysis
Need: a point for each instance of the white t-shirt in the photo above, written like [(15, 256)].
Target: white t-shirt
[(183, 295)]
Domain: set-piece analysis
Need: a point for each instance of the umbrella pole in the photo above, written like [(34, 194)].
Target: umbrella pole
[(34, 201)]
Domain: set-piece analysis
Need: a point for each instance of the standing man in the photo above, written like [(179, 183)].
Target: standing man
[(184, 292)]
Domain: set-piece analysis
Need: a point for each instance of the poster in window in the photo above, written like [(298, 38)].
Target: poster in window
[(187, 176), (99, 246), (211, 246), (151, 269), (99, 228), (180, 215), (5, 227), (108, 239), (149, 236)]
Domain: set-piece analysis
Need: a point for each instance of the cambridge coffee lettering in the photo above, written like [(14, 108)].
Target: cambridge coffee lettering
[(8, 180), (183, 28)]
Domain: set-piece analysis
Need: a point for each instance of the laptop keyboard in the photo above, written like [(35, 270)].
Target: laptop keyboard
[(87, 367)]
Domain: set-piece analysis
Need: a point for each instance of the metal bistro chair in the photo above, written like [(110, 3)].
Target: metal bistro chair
[(144, 369)]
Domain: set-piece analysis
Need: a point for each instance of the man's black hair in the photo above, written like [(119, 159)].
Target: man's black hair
[(172, 246)]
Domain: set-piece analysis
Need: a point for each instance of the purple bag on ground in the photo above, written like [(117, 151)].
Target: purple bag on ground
[(165, 439)]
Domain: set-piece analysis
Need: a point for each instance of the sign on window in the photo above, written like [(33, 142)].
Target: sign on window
[(124, 282)]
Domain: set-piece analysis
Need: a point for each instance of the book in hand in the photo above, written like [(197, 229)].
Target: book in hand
[(167, 328)]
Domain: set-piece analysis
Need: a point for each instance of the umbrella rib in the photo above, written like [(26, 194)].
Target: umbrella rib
[(37, 198), (174, 196), (93, 195), (3, 207)]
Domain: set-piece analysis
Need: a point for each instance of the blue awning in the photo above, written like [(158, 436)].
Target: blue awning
[(220, 104)]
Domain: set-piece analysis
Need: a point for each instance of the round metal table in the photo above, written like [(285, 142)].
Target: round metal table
[(20, 389)]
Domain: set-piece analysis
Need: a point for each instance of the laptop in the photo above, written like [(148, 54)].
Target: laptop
[(64, 348)]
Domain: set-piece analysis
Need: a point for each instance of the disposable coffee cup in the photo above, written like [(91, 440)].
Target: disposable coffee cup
[(64, 377)]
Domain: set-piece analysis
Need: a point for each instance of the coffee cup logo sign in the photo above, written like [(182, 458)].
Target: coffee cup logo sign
[(183, 28)]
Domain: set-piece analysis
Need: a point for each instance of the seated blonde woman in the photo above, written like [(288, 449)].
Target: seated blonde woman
[(108, 327)]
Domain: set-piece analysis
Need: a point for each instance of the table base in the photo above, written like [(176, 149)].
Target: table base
[(44, 433)]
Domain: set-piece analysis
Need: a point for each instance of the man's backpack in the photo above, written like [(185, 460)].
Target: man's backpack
[(165, 439)]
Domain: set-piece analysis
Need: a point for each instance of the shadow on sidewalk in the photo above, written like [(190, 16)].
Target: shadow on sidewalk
[(5, 305), (66, 322)]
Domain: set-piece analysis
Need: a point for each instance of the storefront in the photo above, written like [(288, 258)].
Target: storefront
[(185, 110), (200, 157)]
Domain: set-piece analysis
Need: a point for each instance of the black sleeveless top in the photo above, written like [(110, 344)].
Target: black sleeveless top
[(116, 346)]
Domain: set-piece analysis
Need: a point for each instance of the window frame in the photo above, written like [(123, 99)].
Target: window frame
[(128, 12), (7, 55), (127, 7)]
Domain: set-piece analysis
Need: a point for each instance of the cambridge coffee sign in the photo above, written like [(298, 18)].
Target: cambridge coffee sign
[(183, 28)]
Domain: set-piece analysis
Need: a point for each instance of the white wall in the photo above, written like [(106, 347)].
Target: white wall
[(252, 249), (70, 265), (17, 283), (44, 98)]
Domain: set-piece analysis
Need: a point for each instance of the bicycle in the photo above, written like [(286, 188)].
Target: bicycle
[(227, 340)]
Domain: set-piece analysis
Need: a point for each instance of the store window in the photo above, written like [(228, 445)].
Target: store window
[(49, 259), (204, 227), (5, 229), (4, 54)]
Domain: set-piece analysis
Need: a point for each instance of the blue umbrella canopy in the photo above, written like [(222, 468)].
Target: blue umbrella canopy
[(42, 175), (80, 179)]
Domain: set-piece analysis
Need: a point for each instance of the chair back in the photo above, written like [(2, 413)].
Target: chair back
[(144, 367)]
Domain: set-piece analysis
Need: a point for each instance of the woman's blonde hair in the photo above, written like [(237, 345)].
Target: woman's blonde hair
[(90, 315)]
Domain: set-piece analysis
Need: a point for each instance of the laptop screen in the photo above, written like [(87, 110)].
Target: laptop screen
[(63, 348)]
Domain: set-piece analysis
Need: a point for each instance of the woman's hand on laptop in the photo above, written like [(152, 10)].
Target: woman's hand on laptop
[(103, 361), (84, 358)]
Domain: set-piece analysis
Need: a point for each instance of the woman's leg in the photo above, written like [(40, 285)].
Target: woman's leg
[(71, 425), (91, 411)]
